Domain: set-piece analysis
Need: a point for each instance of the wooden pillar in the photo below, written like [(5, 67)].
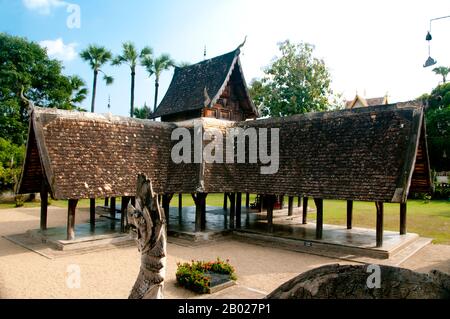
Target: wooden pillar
[(232, 197), (180, 204), (305, 210), (261, 203), (271, 200), (123, 212), (291, 206), (238, 209), (299, 201), (166, 198), (247, 200), (403, 218), (71, 218), (112, 207), (281, 202), (319, 221), (133, 201), (349, 214), (380, 213), (225, 201), (200, 211), (44, 205), (106, 201), (92, 213)]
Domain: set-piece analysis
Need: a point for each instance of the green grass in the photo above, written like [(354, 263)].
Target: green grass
[(428, 219)]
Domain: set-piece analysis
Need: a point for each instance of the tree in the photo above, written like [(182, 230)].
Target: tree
[(143, 112), (11, 160), (442, 70), (130, 56), (155, 67), (438, 127), (294, 83), (79, 92), (97, 56), (25, 66)]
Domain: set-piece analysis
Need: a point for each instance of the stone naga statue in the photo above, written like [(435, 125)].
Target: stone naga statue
[(148, 224)]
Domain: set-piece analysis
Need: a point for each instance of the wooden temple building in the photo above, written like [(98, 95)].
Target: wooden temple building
[(377, 154)]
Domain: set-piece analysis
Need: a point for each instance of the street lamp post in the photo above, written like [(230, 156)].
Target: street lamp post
[(430, 61)]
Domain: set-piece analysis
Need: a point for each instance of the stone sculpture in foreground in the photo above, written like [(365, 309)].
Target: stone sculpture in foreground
[(350, 282), (148, 223)]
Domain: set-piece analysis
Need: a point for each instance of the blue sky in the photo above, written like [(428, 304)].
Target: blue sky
[(370, 46)]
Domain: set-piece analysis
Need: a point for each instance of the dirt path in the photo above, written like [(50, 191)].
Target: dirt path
[(111, 273)]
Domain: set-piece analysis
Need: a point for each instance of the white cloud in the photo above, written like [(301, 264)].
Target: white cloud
[(43, 6), (57, 49)]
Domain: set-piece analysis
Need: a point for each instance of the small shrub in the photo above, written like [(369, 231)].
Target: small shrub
[(196, 276)]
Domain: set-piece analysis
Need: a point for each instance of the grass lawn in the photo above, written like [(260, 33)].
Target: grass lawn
[(428, 219)]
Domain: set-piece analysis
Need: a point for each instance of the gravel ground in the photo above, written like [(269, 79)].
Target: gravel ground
[(111, 273)]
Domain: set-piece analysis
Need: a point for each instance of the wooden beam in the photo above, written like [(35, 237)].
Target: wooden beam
[(282, 202), (238, 209), (271, 200), (291, 206), (44, 205), (305, 210), (232, 197), (380, 214), (349, 214), (261, 203), (123, 212), (112, 207), (247, 200), (319, 221), (72, 206), (180, 204), (299, 201), (200, 211), (92, 213), (106, 201), (225, 201), (403, 218)]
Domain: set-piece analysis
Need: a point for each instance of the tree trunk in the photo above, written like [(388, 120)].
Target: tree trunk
[(133, 75), (156, 94), (94, 91), (147, 220)]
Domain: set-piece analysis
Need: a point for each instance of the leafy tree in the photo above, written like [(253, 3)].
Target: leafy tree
[(11, 160), (24, 65), (79, 92), (438, 127), (97, 56), (443, 71), (130, 56), (142, 112), (294, 83), (155, 66)]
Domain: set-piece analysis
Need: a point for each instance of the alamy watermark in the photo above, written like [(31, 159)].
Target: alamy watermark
[(374, 279), (209, 146), (73, 278)]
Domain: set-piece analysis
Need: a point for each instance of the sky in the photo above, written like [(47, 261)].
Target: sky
[(370, 47)]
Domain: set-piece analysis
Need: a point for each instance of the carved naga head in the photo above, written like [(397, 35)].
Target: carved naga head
[(143, 219)]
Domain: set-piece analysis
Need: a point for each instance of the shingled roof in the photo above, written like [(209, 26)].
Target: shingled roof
[(84, 155), (201, 85)]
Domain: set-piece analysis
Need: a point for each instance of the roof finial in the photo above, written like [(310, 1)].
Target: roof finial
[(204, 54), (242, 44), (109, 102)]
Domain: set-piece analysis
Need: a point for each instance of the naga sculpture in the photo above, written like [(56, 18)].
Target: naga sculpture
[(147, 222)]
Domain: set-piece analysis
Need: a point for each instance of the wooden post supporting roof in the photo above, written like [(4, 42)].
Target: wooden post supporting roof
[(403, 218), (319, 222), (305, 211), (72, 206), (247, 200), (166, 199), (112, 208), (232, 197), (106, 201), (291, 206), (261, 203), (123, 212), (44, 205), (380, 213), (200, 211), (238, 209), (349, 214), (271, 200), (92, 213), (180, 204), (225, 201), (299, 201)]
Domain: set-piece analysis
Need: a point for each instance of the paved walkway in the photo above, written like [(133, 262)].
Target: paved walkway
[(111, 273)]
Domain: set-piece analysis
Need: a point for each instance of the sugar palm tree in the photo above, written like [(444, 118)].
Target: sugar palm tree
[(130, 57), (79, 92), (97, 56), (155, 66), (442, 70)]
